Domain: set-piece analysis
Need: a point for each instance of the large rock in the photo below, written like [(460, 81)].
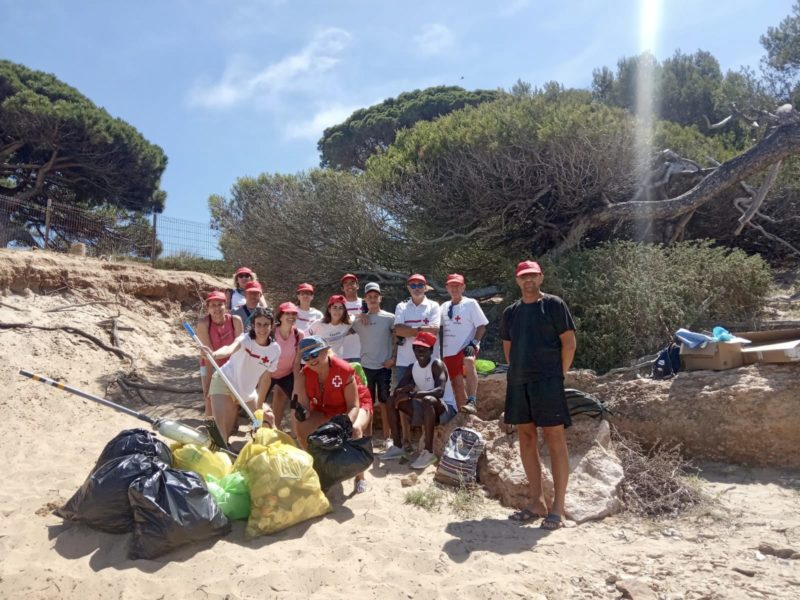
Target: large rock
[(749, 415), (595, 471)]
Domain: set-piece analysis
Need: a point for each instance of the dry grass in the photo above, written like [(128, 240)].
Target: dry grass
[(657, 482), (428, 498)]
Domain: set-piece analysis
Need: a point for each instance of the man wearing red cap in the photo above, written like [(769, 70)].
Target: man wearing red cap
[(463, 327), (218, 329), (425, 395), (306, 314), (351, 351), (253, 298), (538, 335)]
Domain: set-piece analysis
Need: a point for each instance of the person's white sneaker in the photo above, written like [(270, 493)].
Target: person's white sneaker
[(424, 460), (393, 453), (388, 443)]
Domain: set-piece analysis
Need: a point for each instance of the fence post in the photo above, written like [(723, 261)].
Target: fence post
[(155, 240), (47, 213)]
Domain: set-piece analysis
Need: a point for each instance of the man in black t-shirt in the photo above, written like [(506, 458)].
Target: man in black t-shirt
[(538, 336)]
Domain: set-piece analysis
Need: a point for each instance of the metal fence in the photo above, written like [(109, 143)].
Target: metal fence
[(103, 231)]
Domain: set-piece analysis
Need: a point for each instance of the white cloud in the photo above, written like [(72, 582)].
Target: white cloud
[(242, 81), (311, 129), (434, 39)]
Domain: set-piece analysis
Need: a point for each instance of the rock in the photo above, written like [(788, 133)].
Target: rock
[(766, 548), (636, 589), (409, 481), (759, 556), (745, 570)]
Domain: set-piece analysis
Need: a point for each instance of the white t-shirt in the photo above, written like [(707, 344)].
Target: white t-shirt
[(460, 330), (423, 381), (424, 314), (352, 344), (334, 335), (237, 299), (306, 317), (246, 366)]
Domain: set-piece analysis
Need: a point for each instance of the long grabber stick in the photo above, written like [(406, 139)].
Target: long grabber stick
[(174, 430), (253, 421)]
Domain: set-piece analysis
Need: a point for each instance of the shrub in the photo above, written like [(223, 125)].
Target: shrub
[(628, 298)]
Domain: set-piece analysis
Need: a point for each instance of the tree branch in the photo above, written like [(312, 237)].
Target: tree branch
[(759, 198)]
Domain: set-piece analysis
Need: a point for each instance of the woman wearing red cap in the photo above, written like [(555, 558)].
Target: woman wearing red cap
[(241, 278), (288, 337), (219, 329), (335, 324)]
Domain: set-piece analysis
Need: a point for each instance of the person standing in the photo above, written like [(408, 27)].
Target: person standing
[(253, 299), (288, 337), (351, 350), (375, 332), (335, 326), (306, 314), (463, 328), (538, 335)]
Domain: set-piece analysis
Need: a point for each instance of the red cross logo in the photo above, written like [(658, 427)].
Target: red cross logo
[(426, 321), (265, 360), (457, 319), (336, 381)]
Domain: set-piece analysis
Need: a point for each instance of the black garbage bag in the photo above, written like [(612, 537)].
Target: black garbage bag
[(172, 508), (134, 441), (102, 500), (336, 456)]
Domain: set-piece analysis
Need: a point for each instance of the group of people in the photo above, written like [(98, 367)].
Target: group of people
[(342, 361)]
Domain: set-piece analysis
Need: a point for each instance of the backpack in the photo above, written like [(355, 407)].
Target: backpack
[(581, 403), (459, 463), (668, 362)]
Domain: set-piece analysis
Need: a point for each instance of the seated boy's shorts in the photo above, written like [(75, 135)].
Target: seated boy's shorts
[(540, 402)]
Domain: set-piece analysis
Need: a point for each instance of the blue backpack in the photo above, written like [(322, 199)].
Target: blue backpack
[(668, 362)]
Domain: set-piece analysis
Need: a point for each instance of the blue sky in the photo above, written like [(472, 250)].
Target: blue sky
[(233, 88)]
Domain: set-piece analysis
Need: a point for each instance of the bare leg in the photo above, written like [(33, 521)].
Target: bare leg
[(405, 421), (529, 453), (431, 409), (392, 411), (302, 429), (279, 402), (459, 390), (364, 421), (471, 375), (556, 440), (224, 409)]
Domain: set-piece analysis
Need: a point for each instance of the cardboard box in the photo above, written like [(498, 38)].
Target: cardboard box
[(716, 356), (778, 346)]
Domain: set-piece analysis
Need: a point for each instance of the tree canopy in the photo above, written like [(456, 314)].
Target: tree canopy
[(55, 143), (782, 62), (348, 145)]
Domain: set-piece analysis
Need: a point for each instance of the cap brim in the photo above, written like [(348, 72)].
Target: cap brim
[(526, 271)]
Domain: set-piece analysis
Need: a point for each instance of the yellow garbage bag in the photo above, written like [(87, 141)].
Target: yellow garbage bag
[(284, 487), (201, 460)]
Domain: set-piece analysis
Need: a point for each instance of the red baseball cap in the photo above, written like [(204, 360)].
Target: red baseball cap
[(455, 278), (288, 307), (528, 266), (347, 276), (216, 295), (252, 286), (243, 271), (417, 277), (424, 338), (304, 287), (338, 298)]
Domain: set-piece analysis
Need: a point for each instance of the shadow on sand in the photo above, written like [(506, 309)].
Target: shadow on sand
[(499, 536)]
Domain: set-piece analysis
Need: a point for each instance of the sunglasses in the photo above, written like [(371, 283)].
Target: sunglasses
[(312, 354), (245, 276), (416, 286)]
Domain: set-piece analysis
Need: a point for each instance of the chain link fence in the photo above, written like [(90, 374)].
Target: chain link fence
[(103, 232)]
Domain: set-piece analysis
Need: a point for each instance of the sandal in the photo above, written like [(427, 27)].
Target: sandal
[(552, 522), (524, 516)]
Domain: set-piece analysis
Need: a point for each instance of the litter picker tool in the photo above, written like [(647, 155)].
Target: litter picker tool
[(253, 420), (169, 428)]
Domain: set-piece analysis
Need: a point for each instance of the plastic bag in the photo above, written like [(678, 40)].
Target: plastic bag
[(484, 367), (284, 488), (231, 494), (201, 460), (102, 500), (172, 508), (134, 441), (336, 456)]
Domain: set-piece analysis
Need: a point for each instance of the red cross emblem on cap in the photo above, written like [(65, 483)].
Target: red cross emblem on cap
[(336, 381)]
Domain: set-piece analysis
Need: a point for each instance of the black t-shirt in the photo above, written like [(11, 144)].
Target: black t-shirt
[(533, 330)]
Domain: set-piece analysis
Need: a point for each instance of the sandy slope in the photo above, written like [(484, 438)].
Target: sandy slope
[(371, 546)]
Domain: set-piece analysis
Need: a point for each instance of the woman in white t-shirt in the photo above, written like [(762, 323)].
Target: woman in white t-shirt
[(334, 325), (253, 358), (306, 314)]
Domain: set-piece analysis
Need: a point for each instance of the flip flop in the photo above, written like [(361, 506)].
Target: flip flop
[(524, 516), (552, 522)]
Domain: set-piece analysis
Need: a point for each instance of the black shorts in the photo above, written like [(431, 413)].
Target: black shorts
[(286, 383), (540, 402), (378, 382)]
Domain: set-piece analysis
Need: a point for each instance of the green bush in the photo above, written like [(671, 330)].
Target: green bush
[(628, 298)]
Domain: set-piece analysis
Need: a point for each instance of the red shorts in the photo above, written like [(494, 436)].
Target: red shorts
[(455, 364)]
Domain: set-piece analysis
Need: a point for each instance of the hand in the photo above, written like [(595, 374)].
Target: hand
[(363, 318), (469, 351), (269, 418), (388, 364), (357, 432)]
